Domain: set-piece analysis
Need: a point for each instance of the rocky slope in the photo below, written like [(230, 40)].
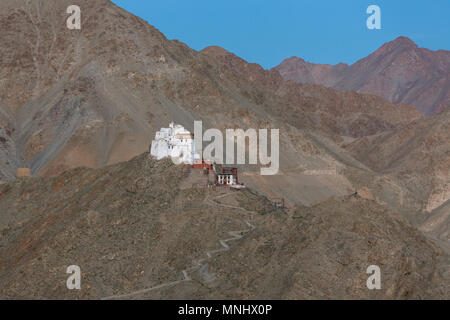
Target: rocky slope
[(411, 161), (417, 154), (355, 120), (437, 225), (399, 71), (133, 230), (95, 97)]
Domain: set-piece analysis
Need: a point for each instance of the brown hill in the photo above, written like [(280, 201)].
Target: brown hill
[(399, 71), (136, 234)]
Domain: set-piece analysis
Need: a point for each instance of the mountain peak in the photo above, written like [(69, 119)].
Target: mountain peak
[(404, 40), (215, 51), (399, 71), (400, 42), (294, 59)]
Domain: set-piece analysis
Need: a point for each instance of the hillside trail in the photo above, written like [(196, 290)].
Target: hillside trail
[(199, 264)]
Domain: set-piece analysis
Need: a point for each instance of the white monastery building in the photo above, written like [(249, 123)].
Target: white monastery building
[(175, 142)]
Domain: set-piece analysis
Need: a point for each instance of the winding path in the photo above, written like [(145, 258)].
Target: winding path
[(198, 263)]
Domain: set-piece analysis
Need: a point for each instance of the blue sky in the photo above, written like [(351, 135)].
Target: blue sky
[(268, 31)]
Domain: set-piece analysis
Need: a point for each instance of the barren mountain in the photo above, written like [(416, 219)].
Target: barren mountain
[(399, 71), (137, 230), (417, 154), (95, 96), (344, 114), (355, 120), (437, 225)]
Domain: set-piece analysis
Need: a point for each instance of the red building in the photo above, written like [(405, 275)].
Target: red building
[(224, 176)]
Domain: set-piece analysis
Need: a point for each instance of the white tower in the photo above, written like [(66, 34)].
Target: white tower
[(175, 142)]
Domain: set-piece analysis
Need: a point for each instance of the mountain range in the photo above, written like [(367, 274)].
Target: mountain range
[(399, 71), (77, 105)]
